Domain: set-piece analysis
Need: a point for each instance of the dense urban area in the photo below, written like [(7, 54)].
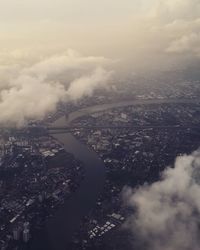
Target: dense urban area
[(36, 176), (132, 156), (135, 142)]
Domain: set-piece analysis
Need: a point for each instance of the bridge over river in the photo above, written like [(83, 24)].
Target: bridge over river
[(59, 230)]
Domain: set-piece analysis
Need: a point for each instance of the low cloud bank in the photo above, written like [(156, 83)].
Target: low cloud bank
[(167, 213), (29, 90)]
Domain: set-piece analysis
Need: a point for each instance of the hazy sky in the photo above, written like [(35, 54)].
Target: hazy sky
[(136, 29), (43, 42), (73, 11), (71, 20)]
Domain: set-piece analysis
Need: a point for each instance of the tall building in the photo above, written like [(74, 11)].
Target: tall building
[(26, 235), (16, 233), (26, 225)]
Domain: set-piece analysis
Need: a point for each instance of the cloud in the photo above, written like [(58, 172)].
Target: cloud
[(167, 212), (168, 33), (186, 44), (85, 85), (30, 88), (29, 98), (180, 21), (144, 34), (71, 60), (170, 10)]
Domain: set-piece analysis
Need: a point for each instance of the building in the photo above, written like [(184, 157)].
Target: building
[(26, 235), (16, 233)]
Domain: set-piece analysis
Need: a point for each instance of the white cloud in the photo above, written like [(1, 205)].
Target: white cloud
[(85, 85), (167, 212), (29, 98), (71, 60), (29, 90)]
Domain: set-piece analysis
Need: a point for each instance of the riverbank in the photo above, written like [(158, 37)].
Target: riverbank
[(60, 229)]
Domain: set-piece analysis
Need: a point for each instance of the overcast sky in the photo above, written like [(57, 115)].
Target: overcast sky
[(74, 23), (168, 30), (85, 42), (73, 11)]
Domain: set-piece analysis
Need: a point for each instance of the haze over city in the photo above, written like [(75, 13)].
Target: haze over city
[(99, 124), (44, 39)]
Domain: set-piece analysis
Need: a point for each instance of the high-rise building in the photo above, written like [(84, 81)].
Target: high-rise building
[(26, 235), (16, 233), (26, 225)]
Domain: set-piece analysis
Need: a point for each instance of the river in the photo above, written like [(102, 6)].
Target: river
[(60, 229)]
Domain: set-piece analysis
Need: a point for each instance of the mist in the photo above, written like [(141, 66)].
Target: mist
[(111, 36), (145, 35)]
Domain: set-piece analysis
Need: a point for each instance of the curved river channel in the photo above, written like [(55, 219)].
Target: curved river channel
[(60, 229)]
